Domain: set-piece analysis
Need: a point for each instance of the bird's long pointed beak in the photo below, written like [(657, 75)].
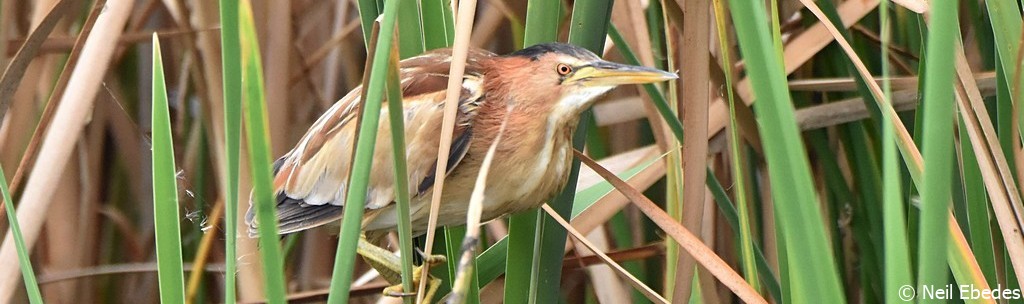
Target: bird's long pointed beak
[(605, 73)]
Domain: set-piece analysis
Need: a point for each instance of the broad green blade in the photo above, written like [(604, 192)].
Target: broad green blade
[(896, 256), (165, 191), (1006, 25), (938, 145), (811, 266), (231, 61), (746, 241), (410, 33), (438, 24), (977, 217), (396, 119), (368, 12)]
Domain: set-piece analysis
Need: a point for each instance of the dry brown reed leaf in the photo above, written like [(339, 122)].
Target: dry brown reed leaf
[(460, 51), (908, 147), (631, 254), (894, 50), (320, 295), (16, 69), (607, 285), (33, 145), (917, 6), (995, 170), (959, 244), (812, 117), (113, 269), (853, 109), (802, 48), (848, 110), (797, 51), (69, 120), (29, 157), (617, 163), (704, 255), (640, 286), (847, 84), (629, 17), (607, 206)]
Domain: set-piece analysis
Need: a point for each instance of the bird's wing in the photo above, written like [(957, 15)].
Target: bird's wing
[(310, 181)]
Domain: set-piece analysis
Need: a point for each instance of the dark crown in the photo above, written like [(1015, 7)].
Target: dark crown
[(534, 52)]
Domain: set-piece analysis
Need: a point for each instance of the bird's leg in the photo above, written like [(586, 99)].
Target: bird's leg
[(389, 265)]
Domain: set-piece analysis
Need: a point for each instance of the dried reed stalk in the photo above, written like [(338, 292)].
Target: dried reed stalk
[(70, 119)]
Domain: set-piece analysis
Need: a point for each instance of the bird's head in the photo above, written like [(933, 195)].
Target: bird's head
[(567, 78)]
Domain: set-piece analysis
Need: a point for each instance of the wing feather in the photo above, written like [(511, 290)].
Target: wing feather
[(310, 180), (460, 145)]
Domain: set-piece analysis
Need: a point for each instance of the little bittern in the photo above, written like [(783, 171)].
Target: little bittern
[(540, 90)]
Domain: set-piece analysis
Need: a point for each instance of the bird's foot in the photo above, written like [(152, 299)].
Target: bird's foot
[(432, 260), (417, 274)]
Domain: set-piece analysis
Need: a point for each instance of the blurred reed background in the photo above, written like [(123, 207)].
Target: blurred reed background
[(121, 146)]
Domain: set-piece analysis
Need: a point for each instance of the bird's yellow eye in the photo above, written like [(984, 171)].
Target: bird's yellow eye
[(563, 69)]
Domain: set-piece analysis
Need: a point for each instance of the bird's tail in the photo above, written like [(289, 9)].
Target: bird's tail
[(293, 214)]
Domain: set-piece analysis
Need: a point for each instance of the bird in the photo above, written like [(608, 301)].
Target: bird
[(540, 90)]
